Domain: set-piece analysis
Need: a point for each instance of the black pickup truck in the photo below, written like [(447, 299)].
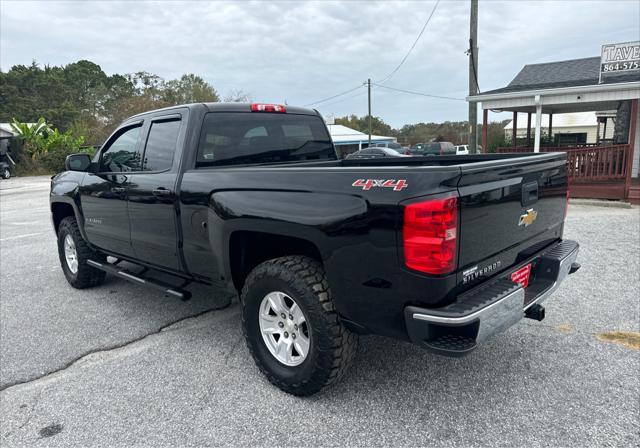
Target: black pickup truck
[(442, 251)]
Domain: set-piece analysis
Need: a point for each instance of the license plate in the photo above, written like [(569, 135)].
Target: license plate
[(522, 275)]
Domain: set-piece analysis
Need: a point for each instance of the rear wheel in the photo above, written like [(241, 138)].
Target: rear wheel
[(6, 173), (291, 326), (74, 252)]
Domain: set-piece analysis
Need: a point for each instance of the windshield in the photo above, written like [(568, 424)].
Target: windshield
[(239, 138)]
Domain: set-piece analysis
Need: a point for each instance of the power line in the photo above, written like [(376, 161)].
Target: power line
[(420, 93), (341, 100), (393, 72), (424, 27), (334, 96)]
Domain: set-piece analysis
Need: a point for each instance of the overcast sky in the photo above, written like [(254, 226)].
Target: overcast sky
[(301, 52)]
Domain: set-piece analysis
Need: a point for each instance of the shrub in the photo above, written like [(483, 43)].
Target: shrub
[(44, 149)]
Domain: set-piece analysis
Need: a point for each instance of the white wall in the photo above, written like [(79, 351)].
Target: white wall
[(591, 131)]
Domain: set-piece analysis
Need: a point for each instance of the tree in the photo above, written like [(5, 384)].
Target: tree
[(189, 89), (378, 127), (237, 96)]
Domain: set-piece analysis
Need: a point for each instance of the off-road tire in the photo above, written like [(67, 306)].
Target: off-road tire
[(87, 276), (332, 346)]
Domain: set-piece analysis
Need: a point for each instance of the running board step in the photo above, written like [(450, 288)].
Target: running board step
[(135, 278), (451, 344)]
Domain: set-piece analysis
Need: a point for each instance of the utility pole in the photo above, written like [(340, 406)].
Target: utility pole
[(369, 89), (473, 73)]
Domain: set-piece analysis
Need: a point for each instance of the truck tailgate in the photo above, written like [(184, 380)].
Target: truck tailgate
[(508, 211)]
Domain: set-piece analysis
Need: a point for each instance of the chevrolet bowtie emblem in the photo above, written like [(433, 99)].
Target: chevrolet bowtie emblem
[(528, 218)]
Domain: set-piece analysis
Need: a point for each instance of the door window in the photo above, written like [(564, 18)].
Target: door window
[(161, 145), (121, 155)]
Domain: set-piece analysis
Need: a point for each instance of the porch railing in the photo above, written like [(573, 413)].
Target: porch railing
[(599, 163)]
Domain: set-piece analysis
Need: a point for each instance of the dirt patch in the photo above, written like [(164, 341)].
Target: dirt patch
[(629, 339), (564, 328)]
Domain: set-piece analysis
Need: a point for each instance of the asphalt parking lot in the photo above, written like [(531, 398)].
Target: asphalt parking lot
[(121, 365)]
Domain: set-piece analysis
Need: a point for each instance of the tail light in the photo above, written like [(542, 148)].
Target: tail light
[(256, 107), (429, 234)]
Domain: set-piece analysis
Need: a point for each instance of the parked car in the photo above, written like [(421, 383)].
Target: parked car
[(462, 149), (252, 197), (434, 149), (5, 164), (5, 170), (375, 152), (393, 145)]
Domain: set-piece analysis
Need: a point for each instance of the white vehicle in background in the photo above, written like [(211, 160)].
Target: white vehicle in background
[(462, 150)]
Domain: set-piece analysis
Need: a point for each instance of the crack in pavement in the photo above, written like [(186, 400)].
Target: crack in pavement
[(79, 358)]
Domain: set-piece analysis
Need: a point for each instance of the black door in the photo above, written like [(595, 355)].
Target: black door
[(103, 195), (152, 195)]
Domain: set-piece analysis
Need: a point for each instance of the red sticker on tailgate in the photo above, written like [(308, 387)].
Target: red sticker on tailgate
[(522, 275)]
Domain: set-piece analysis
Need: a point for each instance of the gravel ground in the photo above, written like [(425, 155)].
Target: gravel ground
[(120, 365)]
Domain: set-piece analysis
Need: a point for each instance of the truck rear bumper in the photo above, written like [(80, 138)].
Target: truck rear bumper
[(493, 306)]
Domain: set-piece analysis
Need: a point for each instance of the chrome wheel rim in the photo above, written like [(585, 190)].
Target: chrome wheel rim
[(70, 254), (284, 328)]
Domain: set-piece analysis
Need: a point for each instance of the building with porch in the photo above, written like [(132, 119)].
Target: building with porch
[(604, 169)]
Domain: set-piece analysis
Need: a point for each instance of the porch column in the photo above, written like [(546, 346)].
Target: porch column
[(633, 120), (485, 125), (551, 127), (515, 130), (536, 143), (528, 129)]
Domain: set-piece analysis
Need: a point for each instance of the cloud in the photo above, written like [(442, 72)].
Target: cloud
[(304, 51)]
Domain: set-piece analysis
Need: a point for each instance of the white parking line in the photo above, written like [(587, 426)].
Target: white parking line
[(26, 235)]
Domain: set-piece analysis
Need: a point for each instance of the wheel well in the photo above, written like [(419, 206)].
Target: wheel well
[(248, 249), (60, 210)]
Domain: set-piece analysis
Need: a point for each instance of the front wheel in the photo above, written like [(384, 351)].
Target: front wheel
[(74, 252), (291, 327), (6, 173)]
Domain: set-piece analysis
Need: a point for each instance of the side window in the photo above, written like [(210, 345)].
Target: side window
[(121, 153), (161, 145)]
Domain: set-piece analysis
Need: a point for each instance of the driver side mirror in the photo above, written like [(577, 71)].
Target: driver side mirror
[(77, 162)]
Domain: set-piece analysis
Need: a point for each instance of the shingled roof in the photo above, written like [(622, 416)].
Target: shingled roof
[(571, 73)]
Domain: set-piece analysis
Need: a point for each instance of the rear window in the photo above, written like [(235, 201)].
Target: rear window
[(396, 146), (240, 138)]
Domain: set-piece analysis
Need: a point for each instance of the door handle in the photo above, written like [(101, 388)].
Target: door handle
[(161, 192), (117, 189)]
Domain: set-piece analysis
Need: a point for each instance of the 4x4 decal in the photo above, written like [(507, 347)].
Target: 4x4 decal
[(368, 184)]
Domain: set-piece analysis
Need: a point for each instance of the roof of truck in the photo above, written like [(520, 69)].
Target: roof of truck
[(229, 107)]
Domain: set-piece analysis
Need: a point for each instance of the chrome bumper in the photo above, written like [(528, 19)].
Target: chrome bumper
[(491, 307)]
